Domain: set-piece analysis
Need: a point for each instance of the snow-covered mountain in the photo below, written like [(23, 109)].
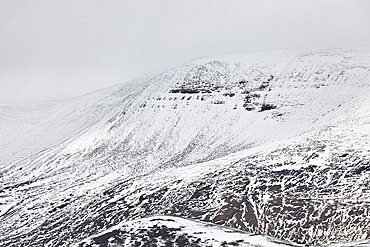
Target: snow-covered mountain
[(273, 143)]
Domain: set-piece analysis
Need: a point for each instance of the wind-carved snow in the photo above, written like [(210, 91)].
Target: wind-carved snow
[(271, 143)]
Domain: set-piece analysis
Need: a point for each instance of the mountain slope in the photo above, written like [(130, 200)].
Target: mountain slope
[(272, 143)]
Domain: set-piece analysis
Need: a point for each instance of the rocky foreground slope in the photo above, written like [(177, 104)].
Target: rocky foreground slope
[(174, 231), (273, 143)]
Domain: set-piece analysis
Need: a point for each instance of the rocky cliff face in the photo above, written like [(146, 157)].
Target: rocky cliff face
[(272, 143)]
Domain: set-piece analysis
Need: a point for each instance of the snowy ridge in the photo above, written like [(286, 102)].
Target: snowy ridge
[(174, 231), (271, 143)]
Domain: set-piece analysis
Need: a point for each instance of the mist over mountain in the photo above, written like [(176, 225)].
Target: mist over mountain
[(255, 149)]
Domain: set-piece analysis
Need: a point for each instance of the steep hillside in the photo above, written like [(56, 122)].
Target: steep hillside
[(272, 143)]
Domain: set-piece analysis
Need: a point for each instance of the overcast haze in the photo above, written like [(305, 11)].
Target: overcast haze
[(56, 49)]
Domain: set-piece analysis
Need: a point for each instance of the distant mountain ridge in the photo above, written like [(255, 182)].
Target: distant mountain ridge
[(273, 143)]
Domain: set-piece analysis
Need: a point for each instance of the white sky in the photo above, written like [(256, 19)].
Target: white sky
[(55, 49)]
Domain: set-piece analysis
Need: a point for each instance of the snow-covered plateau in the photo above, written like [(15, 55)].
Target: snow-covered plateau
[(257, 149)]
